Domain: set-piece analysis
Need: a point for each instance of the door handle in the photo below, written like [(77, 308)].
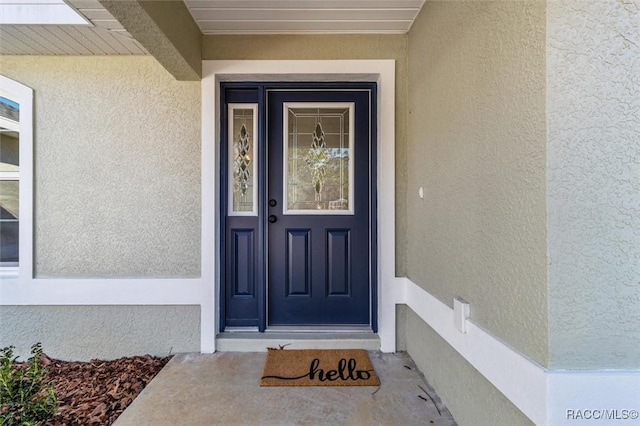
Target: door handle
[(273, 218)]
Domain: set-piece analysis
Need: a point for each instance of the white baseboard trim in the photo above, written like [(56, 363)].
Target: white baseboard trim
[(547, 397)]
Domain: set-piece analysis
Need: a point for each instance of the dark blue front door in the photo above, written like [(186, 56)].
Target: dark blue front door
[(297, 209), (320, 206)]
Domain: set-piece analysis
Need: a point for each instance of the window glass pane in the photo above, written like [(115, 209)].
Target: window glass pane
[(242, 159), (319, 151), (9, 208), (9, 109), (9, 150), (9, 128)]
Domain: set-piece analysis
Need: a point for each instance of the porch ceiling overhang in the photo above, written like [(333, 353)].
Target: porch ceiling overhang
[(304, 16), (172, 30), (94, 31)]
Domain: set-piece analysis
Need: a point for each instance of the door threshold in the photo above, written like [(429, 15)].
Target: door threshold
[(253, 341), (319, 329)]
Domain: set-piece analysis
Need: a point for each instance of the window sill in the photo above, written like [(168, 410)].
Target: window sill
[(9, 272)]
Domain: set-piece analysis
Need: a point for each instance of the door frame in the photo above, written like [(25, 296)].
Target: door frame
[(381, 71)]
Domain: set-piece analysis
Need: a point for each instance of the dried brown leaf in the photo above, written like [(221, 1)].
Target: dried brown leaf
[(98, 391)]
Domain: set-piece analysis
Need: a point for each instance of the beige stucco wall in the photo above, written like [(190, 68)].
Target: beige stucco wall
[(273, 47), (117, 167), (471, 399), (476, 144), (594, 183), (101, 332)]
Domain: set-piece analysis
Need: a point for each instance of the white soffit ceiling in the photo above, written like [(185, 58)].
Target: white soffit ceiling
[(98, 34), (304, 16)]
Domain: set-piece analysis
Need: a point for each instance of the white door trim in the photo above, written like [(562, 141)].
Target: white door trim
[(381, 71)]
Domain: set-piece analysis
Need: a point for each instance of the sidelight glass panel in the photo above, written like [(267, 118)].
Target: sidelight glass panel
[(318, 158), (242, 130)]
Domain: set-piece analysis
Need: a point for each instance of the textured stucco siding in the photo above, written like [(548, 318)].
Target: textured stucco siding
[(167, 31), (476, 144), (471, 399), (117, 167), (594, 183), (101, 332), (328, 47)]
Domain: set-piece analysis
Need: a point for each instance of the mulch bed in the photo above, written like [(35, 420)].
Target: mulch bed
[(97, 392)]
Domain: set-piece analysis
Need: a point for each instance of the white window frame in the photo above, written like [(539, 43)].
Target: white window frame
[(23, 95)]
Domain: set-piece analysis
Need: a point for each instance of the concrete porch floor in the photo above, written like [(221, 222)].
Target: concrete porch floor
[(224, 388)]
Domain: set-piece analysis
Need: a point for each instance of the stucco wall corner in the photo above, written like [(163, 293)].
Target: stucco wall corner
[(593, 182)]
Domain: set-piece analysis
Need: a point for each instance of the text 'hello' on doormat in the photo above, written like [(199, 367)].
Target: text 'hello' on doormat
[(336, 367)]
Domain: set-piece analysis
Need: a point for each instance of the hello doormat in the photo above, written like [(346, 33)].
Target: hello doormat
[(339, 367)]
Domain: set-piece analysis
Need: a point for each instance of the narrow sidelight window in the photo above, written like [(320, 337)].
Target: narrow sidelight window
[(243, 188)]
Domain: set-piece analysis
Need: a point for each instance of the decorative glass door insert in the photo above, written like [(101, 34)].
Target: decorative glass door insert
[(243, 128), (318, 157)]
